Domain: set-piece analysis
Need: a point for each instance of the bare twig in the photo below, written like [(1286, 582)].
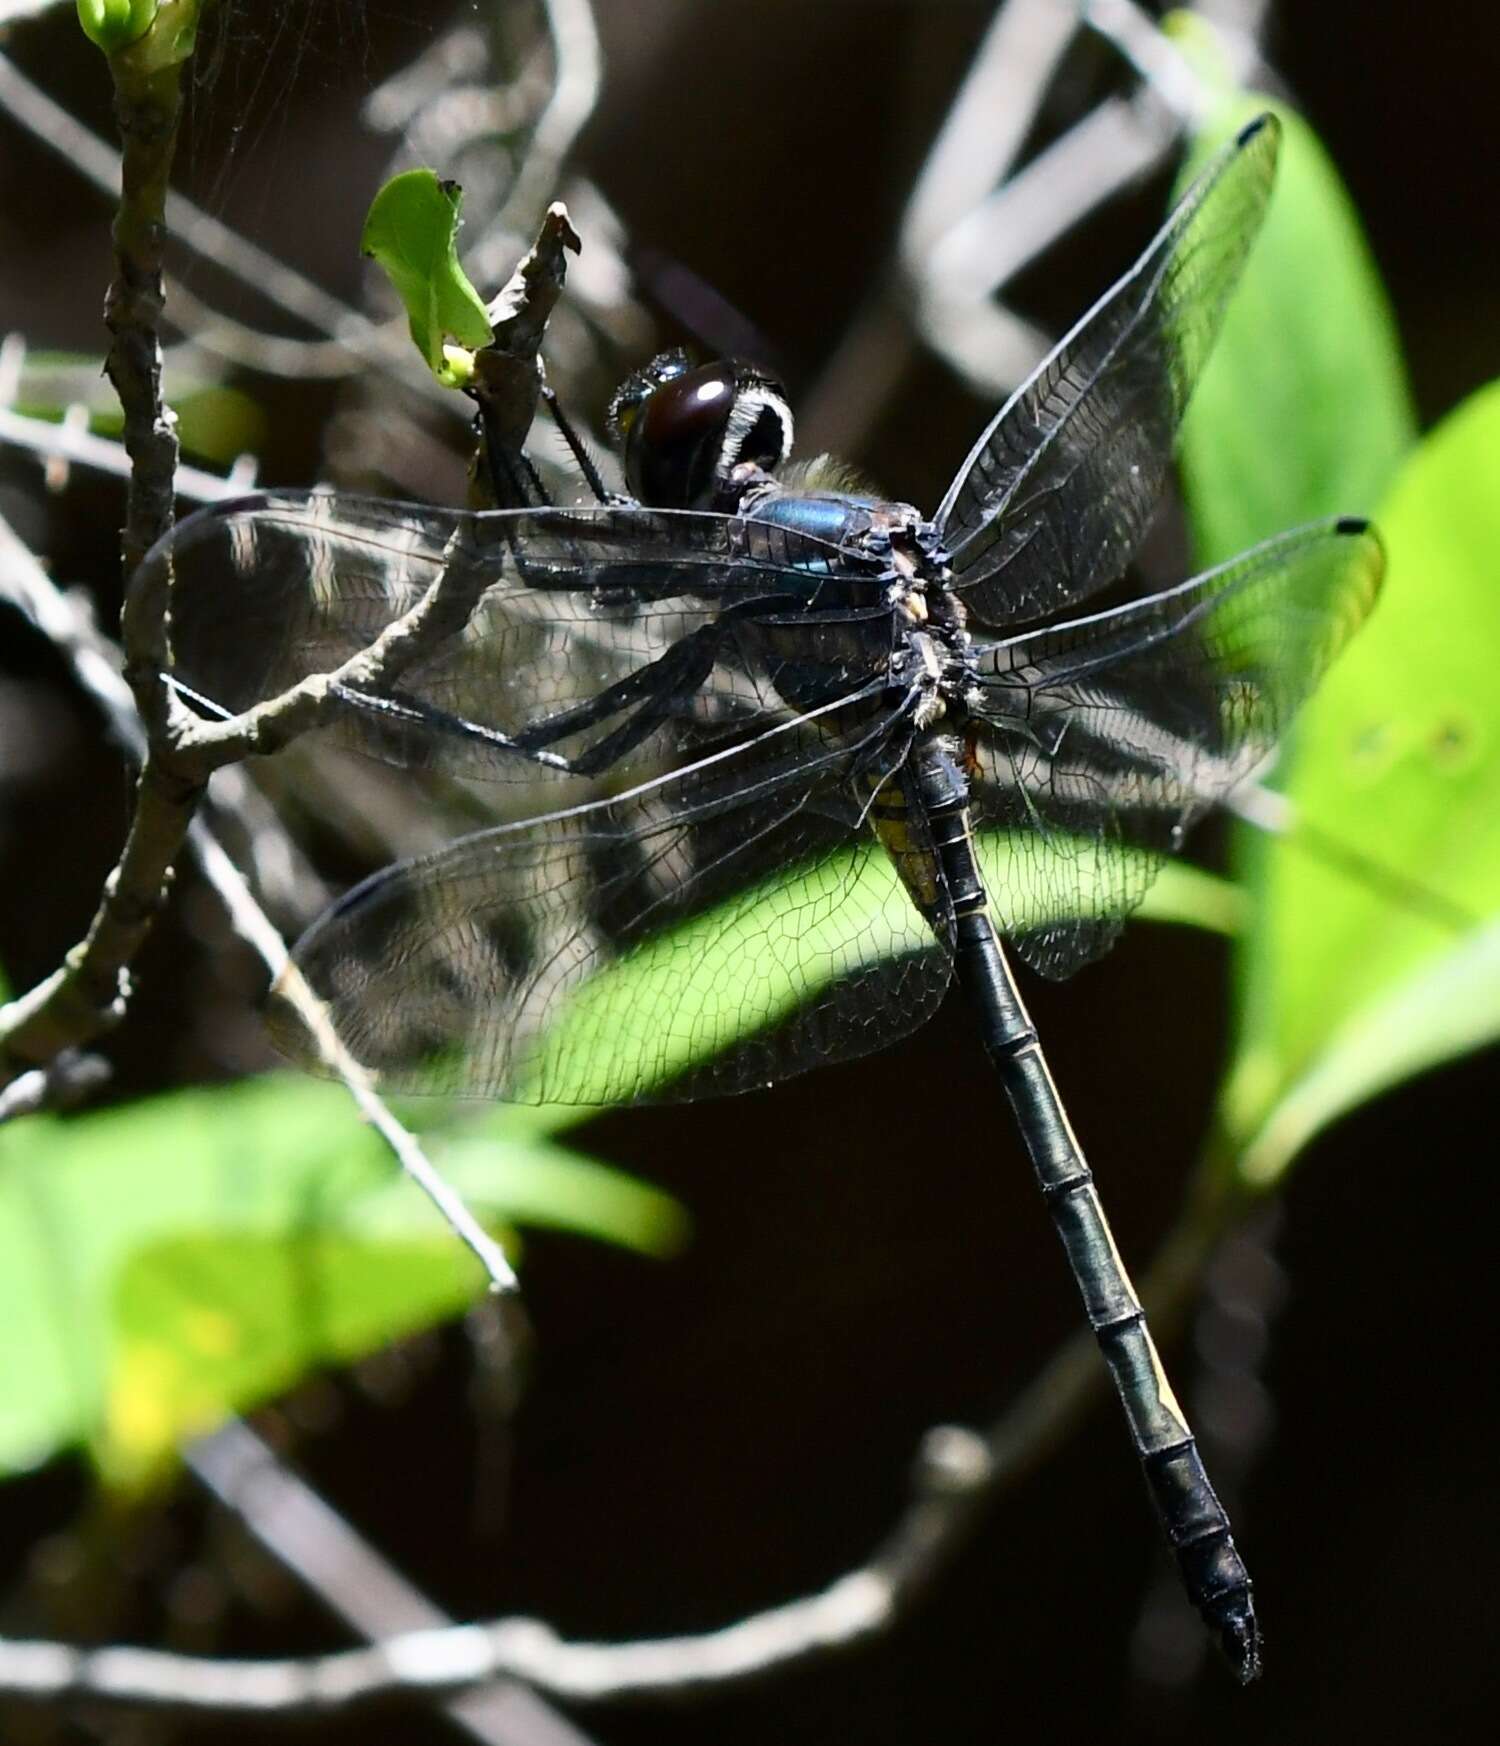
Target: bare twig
[(217, 335), (251, 924), (959, 1476), (973, 151), (148, 104), (71, 1079), (508, 372), (308, 1536), (385, 350), (23, 581), (971, 226), (12, 11), (75, 443), (89, 990), (575, 91)]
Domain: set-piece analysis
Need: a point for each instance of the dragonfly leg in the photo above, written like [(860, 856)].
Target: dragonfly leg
[(679, 673), (409, 711), (578, 448)]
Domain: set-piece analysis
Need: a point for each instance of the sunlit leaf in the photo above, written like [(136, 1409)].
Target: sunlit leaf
[(274, 1167), (699, 970), (203, 1326), (411, 230), (1374, 948), (1303, 409)]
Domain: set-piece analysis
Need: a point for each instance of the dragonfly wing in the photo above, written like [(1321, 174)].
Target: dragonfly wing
[(1100, 740), (606, 637), (685, 941), (1057, 493)]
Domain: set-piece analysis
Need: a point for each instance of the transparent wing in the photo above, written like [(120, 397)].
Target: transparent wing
[(688, 940), (1057, 493), (621, 638), (1100, 740)]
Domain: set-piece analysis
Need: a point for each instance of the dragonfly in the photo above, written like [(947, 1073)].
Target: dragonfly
[(790, 760)]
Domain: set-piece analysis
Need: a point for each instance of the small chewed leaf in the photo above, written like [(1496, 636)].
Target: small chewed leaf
[(1374, 951), (411, 230)]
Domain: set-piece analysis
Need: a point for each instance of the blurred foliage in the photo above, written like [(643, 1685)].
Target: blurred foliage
[(170, 1261), (1303, 409), (214, 421), (1355, 982), (1371, 950)]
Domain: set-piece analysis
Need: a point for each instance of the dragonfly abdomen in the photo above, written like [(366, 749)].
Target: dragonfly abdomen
[(1195, 1523)]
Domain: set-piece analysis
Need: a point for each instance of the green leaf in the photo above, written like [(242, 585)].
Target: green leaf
[(142, 37), (205, 1325), (1302, 410), (250, 1189), (1354, 983), (411, 230), (214, 421), (740, 968), (114, 24)]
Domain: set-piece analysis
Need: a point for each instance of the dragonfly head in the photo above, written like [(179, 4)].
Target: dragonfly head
[(695, 437)]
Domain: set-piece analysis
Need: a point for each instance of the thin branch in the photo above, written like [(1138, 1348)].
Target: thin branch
[(251, 924), (575, 91), (958, 1478), (23, 581), (71, 1079), (74, 443), (12, 11), (220, 336), (148, 107), (1158, 60), (89, 991), (311, 1539), (971, 225), (373, 344)]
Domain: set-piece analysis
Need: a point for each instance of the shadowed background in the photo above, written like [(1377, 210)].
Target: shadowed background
[(707, 1436)]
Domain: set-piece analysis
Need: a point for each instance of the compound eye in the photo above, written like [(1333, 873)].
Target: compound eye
[(674, 444)]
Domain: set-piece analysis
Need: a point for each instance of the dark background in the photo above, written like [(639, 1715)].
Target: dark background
[(709, 1436)]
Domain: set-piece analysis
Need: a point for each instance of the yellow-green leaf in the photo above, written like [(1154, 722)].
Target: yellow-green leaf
[(411, 230), (1353, 983)]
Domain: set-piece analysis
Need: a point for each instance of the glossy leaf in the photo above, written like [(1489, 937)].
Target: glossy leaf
[(411, 230), (1303, 409), (1376, 942), (239, 1188), (704, 974)]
